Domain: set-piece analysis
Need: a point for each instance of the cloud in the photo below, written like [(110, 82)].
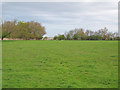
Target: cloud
[(60, 0), (59, 17)]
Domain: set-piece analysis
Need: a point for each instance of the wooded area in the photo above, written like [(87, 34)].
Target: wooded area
[(22, 30), (34, 30), (80, 34)]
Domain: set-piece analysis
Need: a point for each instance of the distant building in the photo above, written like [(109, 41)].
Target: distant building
[(12, 39), (47, 38)]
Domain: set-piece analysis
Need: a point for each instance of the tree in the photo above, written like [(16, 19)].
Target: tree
[(80, 34), (55, 38), (61, 37), (68, 37), (87, 32), (75, 37), (22, 30)]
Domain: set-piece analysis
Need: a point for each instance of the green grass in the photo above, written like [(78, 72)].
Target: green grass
[(60, 64)]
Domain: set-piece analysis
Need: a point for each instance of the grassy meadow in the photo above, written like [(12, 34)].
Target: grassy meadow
[(60, 64)]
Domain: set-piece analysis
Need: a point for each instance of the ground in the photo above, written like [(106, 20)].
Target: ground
[(60, 64)]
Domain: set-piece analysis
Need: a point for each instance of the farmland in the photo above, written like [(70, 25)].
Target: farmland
[(60, 64)]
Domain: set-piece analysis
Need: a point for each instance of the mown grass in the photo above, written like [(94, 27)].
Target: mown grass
[(60, 64)]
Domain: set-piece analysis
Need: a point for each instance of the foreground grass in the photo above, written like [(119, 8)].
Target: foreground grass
[(60, 64)]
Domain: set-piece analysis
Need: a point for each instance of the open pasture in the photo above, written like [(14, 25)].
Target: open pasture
[(60, 64)]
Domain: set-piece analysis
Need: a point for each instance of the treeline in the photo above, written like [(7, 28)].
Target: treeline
[(80, 34), (22, 30)]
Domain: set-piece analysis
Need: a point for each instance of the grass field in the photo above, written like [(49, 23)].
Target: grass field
[(60, 64)]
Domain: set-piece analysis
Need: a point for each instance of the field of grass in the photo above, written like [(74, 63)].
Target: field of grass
[(60, 64)]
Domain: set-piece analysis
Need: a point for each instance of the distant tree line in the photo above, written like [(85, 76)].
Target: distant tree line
[(80, 34), (22, 30)]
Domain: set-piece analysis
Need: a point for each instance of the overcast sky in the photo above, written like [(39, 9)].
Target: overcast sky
[(59, 17)]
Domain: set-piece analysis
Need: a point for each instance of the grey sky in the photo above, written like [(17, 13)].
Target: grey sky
[(59, 17)]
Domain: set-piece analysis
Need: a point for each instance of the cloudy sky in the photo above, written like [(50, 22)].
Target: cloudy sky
[(59, 17)]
